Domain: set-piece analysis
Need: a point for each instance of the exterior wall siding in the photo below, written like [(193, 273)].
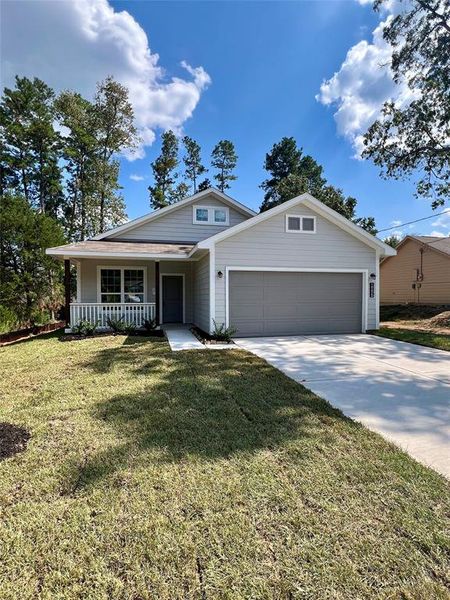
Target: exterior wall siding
[(267, 244), (178, 225), (88, 273), (201, 293), (399, 273)]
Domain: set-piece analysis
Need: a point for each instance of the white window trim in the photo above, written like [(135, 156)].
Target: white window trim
[(211, 220), (122, 282), (161, 283), (301, 217), (364, 292)]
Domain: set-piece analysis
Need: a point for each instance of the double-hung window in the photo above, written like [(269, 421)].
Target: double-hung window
[(211, 215), (300, 224), (121, 285)]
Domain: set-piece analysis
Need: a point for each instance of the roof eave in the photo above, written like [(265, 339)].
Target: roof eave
[(68, 254)]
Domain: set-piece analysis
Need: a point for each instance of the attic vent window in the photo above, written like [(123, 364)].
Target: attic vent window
[(300, 224), (211, 215)]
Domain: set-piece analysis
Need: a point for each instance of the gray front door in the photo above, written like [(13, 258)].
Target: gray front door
[(282, 303), (172, 299)]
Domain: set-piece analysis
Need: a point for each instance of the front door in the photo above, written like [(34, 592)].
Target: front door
[(172, 299)]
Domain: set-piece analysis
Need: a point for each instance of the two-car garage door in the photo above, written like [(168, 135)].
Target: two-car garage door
[(293, 303)]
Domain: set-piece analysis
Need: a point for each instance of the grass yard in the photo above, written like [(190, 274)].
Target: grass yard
[(423, 338), (202, 475)]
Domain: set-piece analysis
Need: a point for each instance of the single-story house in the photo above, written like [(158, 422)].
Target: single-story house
[(419, 274), (299, 268)]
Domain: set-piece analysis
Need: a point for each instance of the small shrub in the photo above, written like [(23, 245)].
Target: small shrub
[(117, 325), (9, 321), (40, 316), (149, 325), (130, 328), (222, 333), (84, 327)]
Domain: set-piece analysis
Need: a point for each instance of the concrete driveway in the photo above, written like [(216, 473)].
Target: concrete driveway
[(397, 389)]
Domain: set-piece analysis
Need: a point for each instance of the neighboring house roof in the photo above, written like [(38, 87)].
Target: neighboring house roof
[(316, 206), (437, 243), (98, 249), (173, 207)]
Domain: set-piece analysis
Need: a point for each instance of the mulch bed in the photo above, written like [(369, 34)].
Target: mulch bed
[(71, 337), (206, 338), (21, 334), (13, 439)]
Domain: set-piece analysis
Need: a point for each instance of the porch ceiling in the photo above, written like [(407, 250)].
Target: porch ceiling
[(102, 249)]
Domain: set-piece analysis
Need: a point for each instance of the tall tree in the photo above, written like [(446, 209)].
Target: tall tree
[(291, 173), (30, 145), (192, 161), (163, 193), (224, 159), (416, 138), (115, 132), (29, 279), (76, 115)]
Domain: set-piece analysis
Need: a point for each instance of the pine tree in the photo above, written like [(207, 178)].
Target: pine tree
[(192, 161), (30, 145), (224, 158), (164, 174), (292, 174), (204, 185), (114, 132)]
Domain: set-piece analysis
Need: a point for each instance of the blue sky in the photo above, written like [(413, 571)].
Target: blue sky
[(266, 62)]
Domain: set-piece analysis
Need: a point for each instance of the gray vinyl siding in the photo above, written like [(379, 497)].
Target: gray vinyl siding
[(88, 272), (178, 225), (201, 292), (267, 244)]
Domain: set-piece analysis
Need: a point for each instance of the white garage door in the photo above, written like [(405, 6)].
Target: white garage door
[(282, 303)]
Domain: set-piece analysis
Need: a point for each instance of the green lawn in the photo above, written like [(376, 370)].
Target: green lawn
[(202, 475), (423, 338)]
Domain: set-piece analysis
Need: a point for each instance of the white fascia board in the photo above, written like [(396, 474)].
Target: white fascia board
[(316, 206), (164, 211), (69, 254)]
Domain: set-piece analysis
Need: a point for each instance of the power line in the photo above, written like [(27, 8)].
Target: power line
[(416, 221)]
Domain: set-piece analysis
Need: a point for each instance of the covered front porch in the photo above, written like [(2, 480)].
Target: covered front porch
[(135, 282)]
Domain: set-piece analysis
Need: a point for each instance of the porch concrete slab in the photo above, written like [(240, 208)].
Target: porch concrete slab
[(181, 338), (398, 389)]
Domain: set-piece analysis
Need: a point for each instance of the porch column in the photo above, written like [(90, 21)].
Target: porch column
[(157, 308), (67, 291)]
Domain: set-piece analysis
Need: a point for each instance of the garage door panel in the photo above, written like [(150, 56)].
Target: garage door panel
[(277, 303)]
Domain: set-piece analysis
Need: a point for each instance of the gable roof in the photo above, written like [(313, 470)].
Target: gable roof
[(156, 214), (440, 244), (319, 208)]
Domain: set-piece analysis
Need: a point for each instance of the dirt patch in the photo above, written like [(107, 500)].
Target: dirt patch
[(13, 439), (423, 325), (411, 312), (441, 320)]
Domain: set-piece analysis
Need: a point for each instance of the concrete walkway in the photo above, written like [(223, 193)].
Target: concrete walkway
[(398, 389), (181, 338)]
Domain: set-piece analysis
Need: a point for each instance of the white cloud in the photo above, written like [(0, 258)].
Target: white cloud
[(134, 177), (396, 223), (363, 83), (76, 43), (442, 225)]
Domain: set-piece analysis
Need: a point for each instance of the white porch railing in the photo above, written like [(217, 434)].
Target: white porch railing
[(100, 313)]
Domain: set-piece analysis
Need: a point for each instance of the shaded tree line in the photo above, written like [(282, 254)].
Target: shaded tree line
[(58, 182)]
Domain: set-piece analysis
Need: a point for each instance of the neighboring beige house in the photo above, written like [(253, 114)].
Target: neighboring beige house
[(419, 274), (297, 268)]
